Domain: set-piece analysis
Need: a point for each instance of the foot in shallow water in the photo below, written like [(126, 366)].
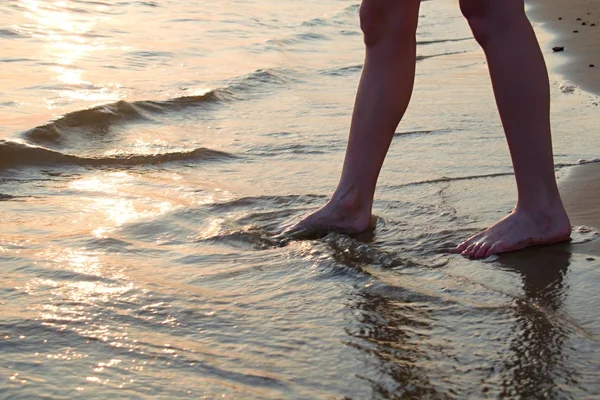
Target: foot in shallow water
[(517, 231), (331, 218)]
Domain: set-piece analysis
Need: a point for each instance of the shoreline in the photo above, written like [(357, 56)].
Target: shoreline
[(574, 25), (580, 192)]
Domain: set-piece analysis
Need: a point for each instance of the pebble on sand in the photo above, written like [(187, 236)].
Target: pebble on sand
[(558, 48), (567, 87)]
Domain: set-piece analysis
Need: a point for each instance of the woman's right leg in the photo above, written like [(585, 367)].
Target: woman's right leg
[(384, 91)]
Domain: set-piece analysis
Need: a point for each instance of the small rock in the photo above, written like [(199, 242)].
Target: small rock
[(592, 65), (584, 23), (560, 18), (567, 87), (592, 24), (578, 19), (583, 229), (590, 259), (558, 48), (575, 31)]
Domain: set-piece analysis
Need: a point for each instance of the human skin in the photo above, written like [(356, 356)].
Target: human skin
[(521, 89)]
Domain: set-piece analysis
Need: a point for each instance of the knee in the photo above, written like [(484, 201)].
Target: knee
[(491, 17), (388, 20)]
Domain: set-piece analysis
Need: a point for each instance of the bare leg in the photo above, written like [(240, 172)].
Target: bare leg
[(521, 88), (384, 91)]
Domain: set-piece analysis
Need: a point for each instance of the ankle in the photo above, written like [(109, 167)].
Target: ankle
[(540, 200), (541, 206), (350, 202), (549, 214)]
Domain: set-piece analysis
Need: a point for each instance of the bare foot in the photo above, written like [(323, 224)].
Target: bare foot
[(333, 217), (518, 230)]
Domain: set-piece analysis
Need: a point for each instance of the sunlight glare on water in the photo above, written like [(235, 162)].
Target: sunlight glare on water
[(149, 154)]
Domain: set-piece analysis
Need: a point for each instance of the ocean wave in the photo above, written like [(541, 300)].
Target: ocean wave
[(423, 132), (315, 22), (258, 79), (290, 43), (426, 42), (452, 179), (15, 154), (482, 176), (251, 236), (281, 201), (342, 71), (353, 69), (288, 148), (98, 120)]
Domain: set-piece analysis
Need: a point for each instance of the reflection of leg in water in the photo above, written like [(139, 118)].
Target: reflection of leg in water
[(521, 88), (538, 364), (386, 335)]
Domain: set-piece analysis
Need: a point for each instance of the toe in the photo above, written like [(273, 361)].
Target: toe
[(469, 250), (461, 247), (464, 245), (493, 249), (482, 251), (467, 243), (288, 229), (475, 249)]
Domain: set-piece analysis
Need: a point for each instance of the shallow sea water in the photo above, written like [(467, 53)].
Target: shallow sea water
[(149, 151)]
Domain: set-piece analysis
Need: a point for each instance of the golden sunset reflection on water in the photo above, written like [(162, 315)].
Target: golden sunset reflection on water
[(139, 243), (100, 283), (68, 43), (112, 203)]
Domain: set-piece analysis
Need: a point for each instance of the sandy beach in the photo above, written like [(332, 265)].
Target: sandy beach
[(576, 27)]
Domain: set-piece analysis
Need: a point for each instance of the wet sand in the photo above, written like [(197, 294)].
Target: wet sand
[(581, 195), (576, 27), (580, 191)]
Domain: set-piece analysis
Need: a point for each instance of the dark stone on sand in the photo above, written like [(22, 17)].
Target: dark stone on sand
[(578, 19), (592, 65), (592, 24), (575, 31), (558, 48), (559, 17), (583, 23), (590, 259)]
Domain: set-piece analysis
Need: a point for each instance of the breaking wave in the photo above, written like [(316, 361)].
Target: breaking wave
[(15, 154)]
